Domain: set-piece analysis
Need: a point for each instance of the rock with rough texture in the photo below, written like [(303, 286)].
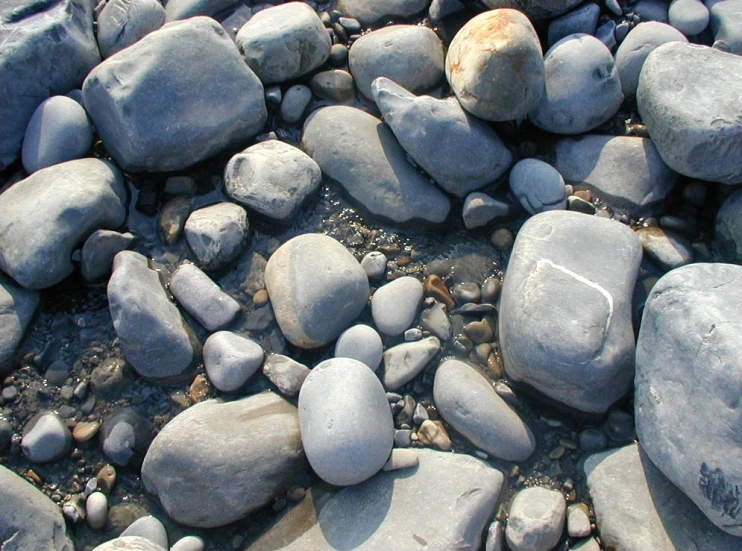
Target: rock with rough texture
[(121, 23), (687, 98), (405, 361), (555, 273), (229, 458), (129, 543), (534, 9), (317, 289), (688, 358), (583, 19), (536, 519), (17, 308), (690, 17), (394, 306), (231, 359), (287, 374), (362, 343), (179, 95), (538, 186), (217, 234), (46, 216), (726, 24), (728, 228), (99, 250), (371, 12), (202, 298), (497, 46)]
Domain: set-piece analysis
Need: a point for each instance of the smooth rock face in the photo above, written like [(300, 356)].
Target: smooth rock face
[(728, 228), (583, 19), (46, 438), (99, 251), (231, 359), (370, 12), (202, 298), (459, 151), (394, 306), (129, 543), (124, 437), (480, 209), (183, 9), (405, 361), (498, 46), (229, 458), (346, 423), (726, 24), (536, 519), (121, 23), (17, 308), (690, 17), (284, 42), (360, 153), (688, 359), (469, 403), (556, 274), (217, 234), (177, 96), (148, 527), (316, 287), (44, 217), (687, 97), (535, 9), (361, 343), (667, 249), (538, 186)]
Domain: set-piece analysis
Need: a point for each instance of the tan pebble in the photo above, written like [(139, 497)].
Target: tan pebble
[(502, 239), (494, 366), (85, 431), (199, 389), (432, 433), (433, 286), (36, 479), (557, 453), (106, 479), (260, 298), (584, 194)]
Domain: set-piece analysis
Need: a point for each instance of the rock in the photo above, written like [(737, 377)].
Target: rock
[(495, 537), (360, 153), (469, 403), (651, 10), (394, 306), (442, 8), (496, 46), (217, 234), (460, 152), (273, 178), (172, 218), (690, 17), (295, 102), (125, 436), (121, 23), (189, 543), (154, 338), (606, 33), (725, 24), (555, 273), (99, 250), (480, 209), (582, 20), (694, 127), (6, 433), (589, 544), (184, 9), (96, 510), (361, 343), (129, 543), (371, 12), (346, 424), (668, 249), (202, 298), (405, 361), (231, 458), (46, 438), (410, 55), (534, 9), (153, 105), (536, 519), (46, 216), (578, 521), (334, 86), (149, 528), (728, 230), (231, 359), (435, 319), (538, 186), (17, 308), (583, 89), (284, 42), (313, 311), (374, 264), (687, 359), (401, 459), (287, 374)]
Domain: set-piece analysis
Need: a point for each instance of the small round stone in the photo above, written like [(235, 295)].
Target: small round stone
[(96, 508), (394, 306), (125, 437), (231, 359), (578, 521), (188, 543), (502, 239), (45, 438), (374, 264), (466, 292), (593, 440), (338, 55), (361, 343), (295, 103)]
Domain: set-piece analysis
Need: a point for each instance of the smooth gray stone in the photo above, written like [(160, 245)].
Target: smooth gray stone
[(638, 44), (96, 510), (129, 543), (229, 458), (480, 209), (638, 509), (688, 359), (690, 17), (374, 264), (443, 8), (394, 306), (231, 359), (583, 19), (188, 543), (154, 337), (606, 33), (446, 502), (295, 102), (625, 172), (125, 436), (287, 374), (538, 186), (371, 12), (284, 42), (534, 9), (687, 97), (217, 234), (536, 519), (317, 289), (667, 249), (362, 343), (583, 89), (405, 361), (469, 403), (202, 297), (29, 519), (726, 24), (359, 152), (460, 152), (182, 91), (560, 269), (334, 86), (273, 178), (728, 228), (17, 308), (46, 438), (47, 48), (99, 250), (410, 55), (435, 319), (121, 23), (183, 9), (652, 10), (46, 216), (346, 423), (497, 46), (147, 527)]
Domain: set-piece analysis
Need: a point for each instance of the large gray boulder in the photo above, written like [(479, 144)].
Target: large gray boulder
[(535, 9), (46, 216), (47, 49), (179, 95), (370, 12), (689, 358), (17, 308), (361, 154), (217, 462), (688, 99), (558, 271)]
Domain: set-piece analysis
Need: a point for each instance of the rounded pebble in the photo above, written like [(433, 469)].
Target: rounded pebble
[(188, 543), (361, 343), (295, 102), (374, 264), (538, 186), (536, 519), (231, 359), (394, 306), (96, 508), (149, 528), (45, 438)]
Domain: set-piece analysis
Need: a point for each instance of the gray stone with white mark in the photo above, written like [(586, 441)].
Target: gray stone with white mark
[(536, 519), (121, 23), (405, 361), (361, 343), (231, 359), (480, 209), (538, 186), (217, 234), (394, 306), (202, 298)]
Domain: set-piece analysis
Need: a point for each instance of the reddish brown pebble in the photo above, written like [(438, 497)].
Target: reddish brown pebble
[(199, 389), (433, 286)]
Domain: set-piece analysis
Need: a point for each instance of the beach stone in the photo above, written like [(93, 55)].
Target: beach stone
[(374, 264), (583, 20), (555, 273), (272, 178), (17, 308), (231, 359), (121, 23), (148, 527), (394, 306), (694, 127), (442, 8), (189, 543), (346, 424), (45, 438), (460, 152), (335, 86), (287, 374), (728, 230), (184, 9), (583, 89), (154, 338), (578, 521), (534, 9), (360, 153), (480, 209), (44, 217), (499, 46), (588, 544), (606, 33), (371, 12), (687, 359), (284, 42), (410, 55), (96, 510), (202, 298), (362, 343), (538, 186), (667, 249), (231, 458), (217, 234), (170, 80), (129, 543), (99, 250), (295, 102), (625, 172), (125, 436), (468, 402), (536, 519), (726, 24), (690, 17), (651, 10), (405, 361), (435, 319)]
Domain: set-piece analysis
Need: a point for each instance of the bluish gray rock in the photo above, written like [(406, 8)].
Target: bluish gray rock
[(559, 270), (582, 86), (335, 86), (435, 319), (287, 374), (536, 519), (46, 216), (189, 543), (183, 9), (121, 23), (690, 17), (374, 264), (46, 438), (147, 527), (231, 359), (687, 99), (99, 250), (669, 250), (652, 10), (202, 298), (405, 361), (442, 8), (606, 33), (217, 234), (371, 12), (538, 186), (346, 423), (534, 9), (360, 153), (317, 289), (361, 343), (124, 437), (460, 152), (583, 19), (295, 102), (728, 228), (688, 359), (129, 543), (17, 308), (394, 306), (480, 209), (726, 24), (179, 95)]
